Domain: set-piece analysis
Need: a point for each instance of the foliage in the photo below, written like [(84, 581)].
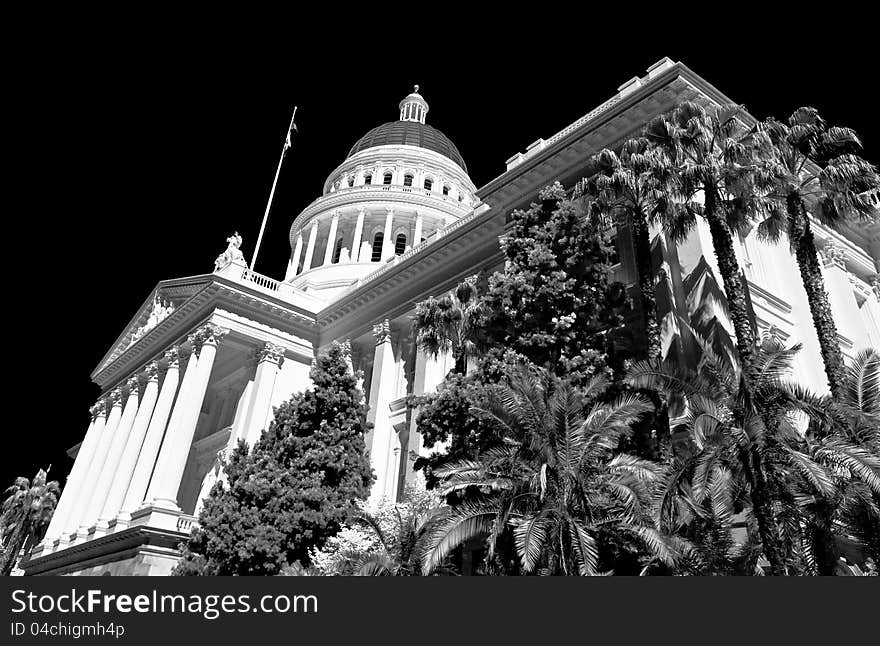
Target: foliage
[(556, 485), (453, 323), (295, 488), (807, 164), (383, 541), (25, 515), (554, 303)]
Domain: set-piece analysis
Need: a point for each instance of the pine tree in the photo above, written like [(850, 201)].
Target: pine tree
[(554, 303), (295, 488)]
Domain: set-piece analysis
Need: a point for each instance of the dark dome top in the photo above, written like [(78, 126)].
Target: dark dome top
[(409, 133)]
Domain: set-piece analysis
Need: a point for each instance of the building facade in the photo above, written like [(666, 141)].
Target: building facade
[(206, 358)]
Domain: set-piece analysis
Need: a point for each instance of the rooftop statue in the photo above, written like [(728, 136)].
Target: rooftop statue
[(232, 254)]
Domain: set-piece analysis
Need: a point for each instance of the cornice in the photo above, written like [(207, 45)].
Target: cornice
[(216, 293)]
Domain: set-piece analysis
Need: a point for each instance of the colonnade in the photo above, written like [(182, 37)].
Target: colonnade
[(138, 441), (357, 249)]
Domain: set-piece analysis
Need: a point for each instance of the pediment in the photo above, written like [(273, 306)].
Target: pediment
[(158, 308)]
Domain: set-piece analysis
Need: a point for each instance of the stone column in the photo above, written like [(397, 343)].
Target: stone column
[(178, 438), (146, 459), (293, 265), (133, 444), (80, 466), (114, 455), (331, 239), (86, 502), (269, 359), (358, 234), (417, 234), (382, 392), (70, 521), (843, 303), (310, 248), (387, 243)]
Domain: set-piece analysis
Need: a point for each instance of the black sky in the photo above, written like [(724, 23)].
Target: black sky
[(135, 155)]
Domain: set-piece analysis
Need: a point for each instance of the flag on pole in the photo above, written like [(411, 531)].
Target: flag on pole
[(290, 131)]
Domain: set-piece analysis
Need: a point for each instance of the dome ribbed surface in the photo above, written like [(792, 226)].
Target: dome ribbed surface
[(409, 133)]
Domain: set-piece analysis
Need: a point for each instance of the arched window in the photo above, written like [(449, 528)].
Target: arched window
[(429, 184), (368, 179), (446, 189), (377, 246), (337, 251), (350, 182), (386, 178), (400, 244), (408, 179)]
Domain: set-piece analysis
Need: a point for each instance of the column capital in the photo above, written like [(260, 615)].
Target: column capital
[(114, 397), (337, 213), (151, 371), (389, 210), (271, 352), (132, 384), (99, 409), (209, 333), (361, 211), (172, 357), (315, 223), (382, 331)]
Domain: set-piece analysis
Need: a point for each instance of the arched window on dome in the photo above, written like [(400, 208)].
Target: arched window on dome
[(377, 246), (446, 189), (337, 251), (400, 244), (350, 182), (368, 179), (386, 178), (408, 179), (429, 184)]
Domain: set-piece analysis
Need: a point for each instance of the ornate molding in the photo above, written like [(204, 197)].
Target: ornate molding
[(99, 408), (133, 386), (271, 352), (382, 331), (833, 253), (172, 357), (151, 371), (114, 398)]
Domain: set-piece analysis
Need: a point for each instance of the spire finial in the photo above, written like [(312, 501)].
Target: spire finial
[(416, 88)]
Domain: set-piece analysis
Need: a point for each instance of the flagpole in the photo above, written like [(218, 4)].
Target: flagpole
[(287, 145)]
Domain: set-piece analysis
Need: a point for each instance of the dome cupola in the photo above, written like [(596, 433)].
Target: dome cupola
[(414, 107)]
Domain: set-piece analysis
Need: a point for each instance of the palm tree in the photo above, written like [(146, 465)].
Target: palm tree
[(845, 440), (751, 434), (711, 154), (452, 323), (25, 516), (555, 483), (808, 163), (632, 185)]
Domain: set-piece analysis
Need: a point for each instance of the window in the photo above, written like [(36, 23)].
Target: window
[(386, 179), (337, 251), (400, 244), (377, 247), (350, 182), (446, 189), (368, 179), (407, 179), (429, 184)]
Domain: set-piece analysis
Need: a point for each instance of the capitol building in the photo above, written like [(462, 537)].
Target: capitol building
[(205, 359)]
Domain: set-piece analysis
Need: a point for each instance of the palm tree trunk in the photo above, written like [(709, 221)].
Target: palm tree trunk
[(13, 548), (764, 513), (642, 245), (802, 240), (722, 241)]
